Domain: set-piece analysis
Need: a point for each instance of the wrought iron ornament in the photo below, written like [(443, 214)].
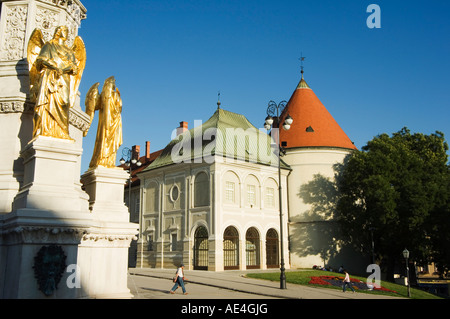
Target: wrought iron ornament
[(275, 110)]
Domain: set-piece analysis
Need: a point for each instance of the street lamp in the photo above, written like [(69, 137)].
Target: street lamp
[(406, 256), (129, 161), (373, 244), (273, 110)]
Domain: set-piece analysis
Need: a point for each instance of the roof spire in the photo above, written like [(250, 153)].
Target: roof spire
[(218, 100), (302, 84), (302, 58)]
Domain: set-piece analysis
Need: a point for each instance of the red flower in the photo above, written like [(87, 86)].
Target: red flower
[(337, 281), (318, 281)]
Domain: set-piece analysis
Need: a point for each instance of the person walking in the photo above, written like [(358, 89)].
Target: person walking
[(179, 280), (346, 282)]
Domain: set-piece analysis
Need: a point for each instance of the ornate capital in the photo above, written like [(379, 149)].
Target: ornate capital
[(79, 119), (15, 106), (109, 240), (43, 235)]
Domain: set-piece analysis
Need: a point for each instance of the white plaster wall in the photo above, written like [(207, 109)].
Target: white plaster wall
[(305, 163)]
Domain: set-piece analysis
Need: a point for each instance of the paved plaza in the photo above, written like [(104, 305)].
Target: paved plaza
[(147, 283)]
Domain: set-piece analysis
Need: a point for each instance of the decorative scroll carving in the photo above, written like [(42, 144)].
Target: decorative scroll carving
[(15, 106), (39, 235), (13, 43), (71, 7), (14, 40), (108, 240), (62, 235), (79, 120), (46, 20)]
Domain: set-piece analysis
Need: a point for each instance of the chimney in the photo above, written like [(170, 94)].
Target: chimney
[(183, 128), (135, 150), (147, 150)]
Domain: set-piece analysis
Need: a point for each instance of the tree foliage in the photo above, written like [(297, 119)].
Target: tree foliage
[(397, 186)]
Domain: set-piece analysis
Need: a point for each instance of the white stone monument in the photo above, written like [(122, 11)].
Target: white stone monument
[(56, 239)]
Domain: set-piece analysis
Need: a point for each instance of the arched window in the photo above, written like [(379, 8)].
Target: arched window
[(231, 186), (272, 260), (252, 248), (231, 248), (270, 194), (201, 190), (201, 249), (252, 189)]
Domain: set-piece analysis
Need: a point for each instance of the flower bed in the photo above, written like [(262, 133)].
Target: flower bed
[(337, 282)]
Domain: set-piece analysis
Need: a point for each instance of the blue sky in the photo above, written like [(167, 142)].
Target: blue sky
[(171, 58)]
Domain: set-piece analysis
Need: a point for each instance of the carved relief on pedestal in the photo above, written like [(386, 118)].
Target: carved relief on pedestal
[(15, 107), (48, 14), (13, 43), (46, 20)]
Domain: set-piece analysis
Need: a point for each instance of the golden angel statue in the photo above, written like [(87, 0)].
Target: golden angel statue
[(109, 130), (55, 75)]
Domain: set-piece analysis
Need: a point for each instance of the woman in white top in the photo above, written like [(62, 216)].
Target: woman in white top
[(179, 280), (347, 282)]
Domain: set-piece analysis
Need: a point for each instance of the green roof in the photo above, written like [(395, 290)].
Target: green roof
[(225, 135)]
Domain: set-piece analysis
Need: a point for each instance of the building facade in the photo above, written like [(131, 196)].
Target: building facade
[(211, 206), (210, 198)]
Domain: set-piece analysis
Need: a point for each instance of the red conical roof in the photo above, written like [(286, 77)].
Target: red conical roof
[(313, 125)]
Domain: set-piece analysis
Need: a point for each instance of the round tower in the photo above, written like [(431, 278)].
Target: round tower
[(314, 143)]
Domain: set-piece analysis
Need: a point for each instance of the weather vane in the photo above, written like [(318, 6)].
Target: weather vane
[(302, 58), (218, 100)]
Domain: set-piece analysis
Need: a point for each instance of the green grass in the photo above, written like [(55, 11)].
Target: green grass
[(302, 277)]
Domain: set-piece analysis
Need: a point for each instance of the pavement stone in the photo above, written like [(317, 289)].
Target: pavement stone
[(149, 283)]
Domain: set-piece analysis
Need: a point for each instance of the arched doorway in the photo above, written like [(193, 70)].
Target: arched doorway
[(272, 260), (252, 248), (230, 248), (201, 249)]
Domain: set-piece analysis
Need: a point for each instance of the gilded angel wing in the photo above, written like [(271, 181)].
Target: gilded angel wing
[(79, 50), (35, 45), (92, 102)]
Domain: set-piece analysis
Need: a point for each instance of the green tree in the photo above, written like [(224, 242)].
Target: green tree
[(440, 231), (398, 186)]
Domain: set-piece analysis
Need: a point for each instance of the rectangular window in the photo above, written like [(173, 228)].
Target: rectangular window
[(149, 242), (173, 242), (270, 197), (229, 192), (251, 195)]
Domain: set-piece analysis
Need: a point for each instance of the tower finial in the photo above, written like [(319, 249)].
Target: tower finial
[(302, 58), (218, 100)]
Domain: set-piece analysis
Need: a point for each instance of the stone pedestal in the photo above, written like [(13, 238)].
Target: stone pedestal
[(49, 210), (50, 177), (56, 240), (91, 230), (105, 187), (109, 239)]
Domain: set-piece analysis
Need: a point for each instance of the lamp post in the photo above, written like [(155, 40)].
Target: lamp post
[(406, 256), (373, 244), (129, 161), (273, 110)]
